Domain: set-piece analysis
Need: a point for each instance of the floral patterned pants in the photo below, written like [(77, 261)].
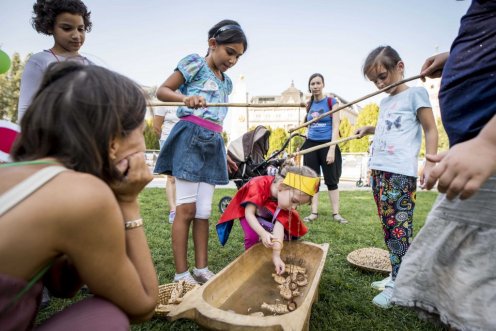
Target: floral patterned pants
[(395, 196)]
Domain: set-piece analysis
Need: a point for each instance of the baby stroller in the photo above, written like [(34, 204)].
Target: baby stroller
[(249, 151)]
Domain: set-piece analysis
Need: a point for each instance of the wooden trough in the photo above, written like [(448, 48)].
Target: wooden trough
[(228, 299)]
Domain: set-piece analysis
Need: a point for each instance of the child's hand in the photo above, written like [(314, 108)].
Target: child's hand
[(279, 264), (266, 239), (363, 131), (463, 168), (136, 175), (425, 173), (194, 101)]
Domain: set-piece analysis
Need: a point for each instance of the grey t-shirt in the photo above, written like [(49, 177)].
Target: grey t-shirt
[(33, 74)]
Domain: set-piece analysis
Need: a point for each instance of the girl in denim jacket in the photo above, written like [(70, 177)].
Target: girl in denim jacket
[(194, 152)]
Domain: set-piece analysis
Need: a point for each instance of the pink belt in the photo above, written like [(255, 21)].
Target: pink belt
[(203, 123)]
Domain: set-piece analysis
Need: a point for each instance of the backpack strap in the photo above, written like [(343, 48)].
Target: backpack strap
[(331, 102)]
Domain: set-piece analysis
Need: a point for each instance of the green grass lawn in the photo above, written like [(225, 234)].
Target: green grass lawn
[(345, 294)]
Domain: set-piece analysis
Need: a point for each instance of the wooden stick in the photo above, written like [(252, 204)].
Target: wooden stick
[(354, 101), (314, 148), (252, 105)]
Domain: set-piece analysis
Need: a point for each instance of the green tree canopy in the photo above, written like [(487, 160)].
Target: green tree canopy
[(10, 84), (297, 141), (345, 130), (151, 139), (442, 141), (276, 140), (368, 116)]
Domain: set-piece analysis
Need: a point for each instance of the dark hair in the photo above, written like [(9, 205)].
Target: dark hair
[(309, 105), (76, 113), (46, 11), (385, 56), (228, 32)]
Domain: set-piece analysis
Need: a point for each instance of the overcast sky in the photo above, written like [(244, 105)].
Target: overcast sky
[(287, 40)]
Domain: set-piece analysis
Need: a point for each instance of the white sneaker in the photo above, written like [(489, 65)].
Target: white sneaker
[(381, 284), (202, 276), (187, 278), (172, 214), (338, 218)]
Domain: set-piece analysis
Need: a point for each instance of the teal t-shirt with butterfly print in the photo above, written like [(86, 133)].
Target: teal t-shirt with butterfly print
[(199, 79), (398, 134)]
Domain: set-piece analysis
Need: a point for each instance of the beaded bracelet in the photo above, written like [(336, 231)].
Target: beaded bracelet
[(128, 225)]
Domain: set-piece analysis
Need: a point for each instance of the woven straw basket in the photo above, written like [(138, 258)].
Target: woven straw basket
[(164, 294), (370, 259)]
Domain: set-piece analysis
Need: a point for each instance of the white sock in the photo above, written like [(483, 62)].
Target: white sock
[(196, 270), (180, 276)]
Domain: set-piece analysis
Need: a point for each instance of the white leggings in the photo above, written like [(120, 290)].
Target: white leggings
[(199, 193)]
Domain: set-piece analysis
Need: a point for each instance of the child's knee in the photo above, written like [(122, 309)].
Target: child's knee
[(186, 211)]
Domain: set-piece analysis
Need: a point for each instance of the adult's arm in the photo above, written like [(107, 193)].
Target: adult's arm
[(115, 263), (336, 119)]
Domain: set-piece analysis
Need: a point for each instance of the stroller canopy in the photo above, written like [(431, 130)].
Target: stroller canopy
[(252, 145)]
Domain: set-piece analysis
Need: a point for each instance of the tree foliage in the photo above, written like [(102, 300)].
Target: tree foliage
[(368, 116), (151, 139), (225, 137), (442, 141), (276, 140), (10, 84), (345, 130), (297, 141)]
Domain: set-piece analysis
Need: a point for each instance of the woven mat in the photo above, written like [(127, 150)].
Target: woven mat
[(370, 259)]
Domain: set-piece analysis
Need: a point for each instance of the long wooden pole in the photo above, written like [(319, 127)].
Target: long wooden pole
[(354, 101), (314, 148), (253, 105)]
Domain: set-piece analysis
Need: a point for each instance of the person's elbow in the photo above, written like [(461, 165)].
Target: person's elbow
[(144, 313), (163, 93)]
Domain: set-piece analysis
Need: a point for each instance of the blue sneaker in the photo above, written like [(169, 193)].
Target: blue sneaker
[(381, 284), (383, 299), (172, 214)]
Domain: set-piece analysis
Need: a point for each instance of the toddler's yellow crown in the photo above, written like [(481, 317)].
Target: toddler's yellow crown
[(308, 185)]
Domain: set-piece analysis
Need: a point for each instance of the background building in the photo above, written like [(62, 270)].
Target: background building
[(239, 120), (432, 86)]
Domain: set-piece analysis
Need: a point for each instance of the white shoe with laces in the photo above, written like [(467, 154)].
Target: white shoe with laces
[(188, 278), (202, 275), (172, 214), (338, 218)]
